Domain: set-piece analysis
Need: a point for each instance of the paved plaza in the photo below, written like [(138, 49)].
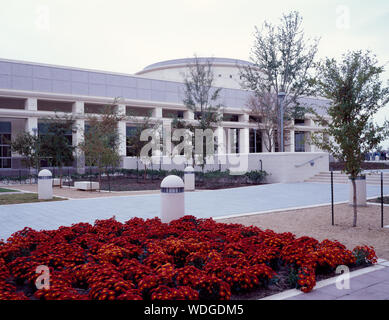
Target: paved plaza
[(204, 204)]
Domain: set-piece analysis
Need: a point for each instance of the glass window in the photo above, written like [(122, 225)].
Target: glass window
[(299, 141), (255, 141)]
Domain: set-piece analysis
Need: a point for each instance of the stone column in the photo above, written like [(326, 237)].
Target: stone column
[(78, 134), (291, 140), (188, 115), (121, 108), (157, 112), (31, 126), (221, 140), (244, 135)]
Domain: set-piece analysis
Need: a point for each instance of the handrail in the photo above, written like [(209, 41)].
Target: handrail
[(309, 161)]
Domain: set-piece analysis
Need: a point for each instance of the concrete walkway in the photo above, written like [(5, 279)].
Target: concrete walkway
[(204, 204), (363, 286)]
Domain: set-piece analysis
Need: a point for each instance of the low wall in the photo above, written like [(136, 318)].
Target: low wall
[(281, 167)]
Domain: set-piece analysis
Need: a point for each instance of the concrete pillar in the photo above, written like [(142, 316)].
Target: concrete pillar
[(31, 125), (291, 140), (121, 109), (31, 104), (244, 140), (172, 198), (221, 140), (188, 115), (78, 134), (157, 112)]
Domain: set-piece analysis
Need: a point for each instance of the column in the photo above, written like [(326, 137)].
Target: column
[(244, 140), (31, 126), (291, 141), (121, 109), (221, 140), (157, 112), (244, 135), (78, 134), (188, 115)]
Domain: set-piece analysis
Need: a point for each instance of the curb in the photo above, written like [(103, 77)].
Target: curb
[(381, 264)]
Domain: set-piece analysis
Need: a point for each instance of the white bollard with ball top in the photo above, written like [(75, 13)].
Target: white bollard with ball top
[(172, 198), (45, 185), (189, 178)]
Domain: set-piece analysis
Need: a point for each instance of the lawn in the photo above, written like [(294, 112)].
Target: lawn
[(23, 198), (7, 190)]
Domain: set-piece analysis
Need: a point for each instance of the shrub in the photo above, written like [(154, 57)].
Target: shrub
[(146, 259)]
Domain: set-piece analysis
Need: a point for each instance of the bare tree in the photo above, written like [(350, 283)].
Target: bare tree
[(101, 139), (202, 98), (282, 61)]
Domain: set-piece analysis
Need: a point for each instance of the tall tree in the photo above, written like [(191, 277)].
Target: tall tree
[(27, 145), (136, 142), (55, 143), (356, 92), (202, 98), (102, 139), (282, 61)]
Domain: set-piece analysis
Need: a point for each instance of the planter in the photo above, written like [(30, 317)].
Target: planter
[(360, 182)]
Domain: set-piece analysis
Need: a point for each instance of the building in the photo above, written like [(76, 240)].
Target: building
[(30, 92)]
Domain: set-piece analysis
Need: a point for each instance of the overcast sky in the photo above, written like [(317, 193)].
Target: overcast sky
[(127, 35)]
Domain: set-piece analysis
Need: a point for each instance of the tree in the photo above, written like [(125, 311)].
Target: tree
[(135, 142), (55, 143), (202, 98), (27, 145), (102, 139), (356, 92), (282, 61)]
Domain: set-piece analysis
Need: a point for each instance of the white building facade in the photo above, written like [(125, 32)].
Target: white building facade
[(31, 92)]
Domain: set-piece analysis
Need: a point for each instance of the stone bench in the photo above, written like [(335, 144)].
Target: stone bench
[(56, 182), (86, 185)]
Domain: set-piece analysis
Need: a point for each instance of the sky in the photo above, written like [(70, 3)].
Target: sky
[(127, 35)]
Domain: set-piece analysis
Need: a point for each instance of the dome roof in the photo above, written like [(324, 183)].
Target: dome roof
[(186, 61)]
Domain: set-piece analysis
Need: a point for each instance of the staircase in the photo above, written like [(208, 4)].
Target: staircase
[(372, 177)]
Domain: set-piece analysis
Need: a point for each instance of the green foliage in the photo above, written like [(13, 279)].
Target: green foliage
[(282, 61), (27, 145), (54, 143), (356, 93), (101, 139)]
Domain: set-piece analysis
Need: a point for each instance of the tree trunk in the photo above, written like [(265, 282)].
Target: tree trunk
[(354, 201)]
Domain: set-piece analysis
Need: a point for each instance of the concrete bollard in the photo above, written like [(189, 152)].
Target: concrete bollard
[(45, 185), (189, 178), (172, 198)]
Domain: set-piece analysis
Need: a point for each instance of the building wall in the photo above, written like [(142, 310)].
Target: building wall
[(281, 167), (49, 91)]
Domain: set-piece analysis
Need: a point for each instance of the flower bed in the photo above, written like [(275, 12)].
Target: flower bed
[(187, 259)]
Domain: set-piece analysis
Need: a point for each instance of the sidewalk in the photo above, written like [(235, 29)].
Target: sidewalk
[(371, 283)]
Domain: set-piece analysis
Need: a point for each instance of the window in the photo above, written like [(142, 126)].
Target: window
[(299, 141), (299, 122), (5, 147), (255, 141), (230, 117)]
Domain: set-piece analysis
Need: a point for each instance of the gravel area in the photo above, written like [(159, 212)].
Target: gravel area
[(316, 222)]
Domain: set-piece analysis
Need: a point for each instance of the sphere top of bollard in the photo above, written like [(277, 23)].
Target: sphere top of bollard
[(44, 173), (172, 181), (189, 168)]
